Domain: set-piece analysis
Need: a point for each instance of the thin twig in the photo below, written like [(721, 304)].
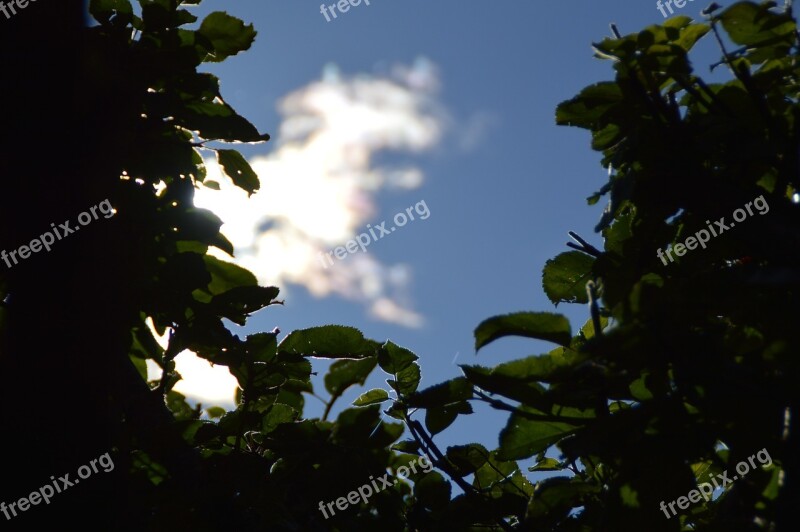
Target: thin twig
[(584, 245), (594, 309), (425, 441), (500, 405)]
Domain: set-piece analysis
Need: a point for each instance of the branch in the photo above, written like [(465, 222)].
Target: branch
[(500, 405), (594, 310), (426, 442), (583, 245)]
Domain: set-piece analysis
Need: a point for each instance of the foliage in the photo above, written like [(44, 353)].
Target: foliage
[(681, 370)]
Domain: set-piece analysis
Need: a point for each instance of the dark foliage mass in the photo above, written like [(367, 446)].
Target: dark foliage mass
[(681, 371)]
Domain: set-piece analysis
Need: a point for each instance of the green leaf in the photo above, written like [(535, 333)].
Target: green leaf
[(144, 344), (523, 438), (393, 358), (547, 464), (564, 278), (238, 303), (541, 325), (520, 389), (494, 473), (754, 25), (539, 368), (606, 137), (176, 402), (103, 10), (559, 495), (276, 415), (448, 392), (140, 365), (184, 272), (432, 491), (691, 34), (372, 397), (196, 224), (406, 446), (407, 380), (228, 35), (217, 120), (364, 428), (155, 472), (467, 458), (216, 412), (238, 169), (262, 347), (345, 373), (329, 341), (439, 418), (592, 104), (226, 276), (639, 390), (617, 234)]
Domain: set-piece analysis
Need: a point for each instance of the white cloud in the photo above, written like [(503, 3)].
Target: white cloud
[(318, 186)]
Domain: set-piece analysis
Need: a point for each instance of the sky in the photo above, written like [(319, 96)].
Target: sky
[(444, 111)]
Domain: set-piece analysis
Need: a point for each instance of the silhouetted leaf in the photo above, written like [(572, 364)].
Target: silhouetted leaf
[(372, 397), (540, 325)]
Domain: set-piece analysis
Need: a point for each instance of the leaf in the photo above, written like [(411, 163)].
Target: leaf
[(691, 34), (495, 472), (196, 224), (586, 109), (467, 458), (372, 397), (407, 380), (262, 347), (518, 388), (184, 272), (541, 325), (393, 358), (364, 428), (238, 303), (239, 170), (143, 344), (639, 390), (564, 278), (753, 25), (176, 402), (432, 491), (547, 464), (228, 35), (217, 120), (558, 495), (140, 365), (439, 418), (155, 472), (345, 373), (329, 341), (276, 415), (616, 234), (406, 446), (523, 438), (539, 368), (103, 10), (226, 276), (216, 412), (448, 392)]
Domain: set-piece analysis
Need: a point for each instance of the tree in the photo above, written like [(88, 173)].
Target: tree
[(687, 366), (684, 367)]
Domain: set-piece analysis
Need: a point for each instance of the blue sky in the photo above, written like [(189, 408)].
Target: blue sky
[(447, 102)]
